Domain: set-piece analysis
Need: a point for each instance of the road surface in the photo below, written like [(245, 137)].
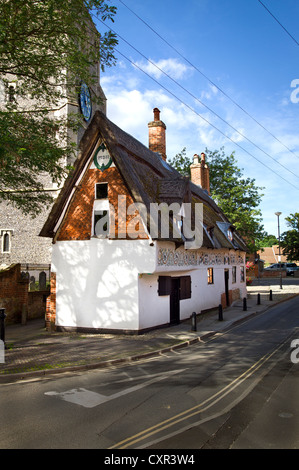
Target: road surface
[(237, 390)]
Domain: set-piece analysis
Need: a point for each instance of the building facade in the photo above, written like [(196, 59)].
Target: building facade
[(135, 244)]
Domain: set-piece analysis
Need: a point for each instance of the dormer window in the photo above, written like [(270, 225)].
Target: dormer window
[(178, 227), (230, 235), (210, 231)]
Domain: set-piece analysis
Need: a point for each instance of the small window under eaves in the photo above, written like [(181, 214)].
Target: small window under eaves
[(101, 191)]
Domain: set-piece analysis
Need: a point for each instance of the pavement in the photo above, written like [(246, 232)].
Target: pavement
[(33, 351)]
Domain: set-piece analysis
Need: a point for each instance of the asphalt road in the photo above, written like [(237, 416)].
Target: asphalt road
[(237, 390)]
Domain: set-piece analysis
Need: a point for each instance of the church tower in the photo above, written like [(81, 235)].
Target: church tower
[(19, 233)]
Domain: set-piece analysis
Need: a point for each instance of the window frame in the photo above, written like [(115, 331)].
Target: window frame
[(6, 234), (165, 286), (210, 272), (102, 184), (100, 208), (103, 213), (234, 274)]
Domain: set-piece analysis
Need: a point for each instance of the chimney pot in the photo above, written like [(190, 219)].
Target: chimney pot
[(195, 159), (157, 135), (200, 172), (156, 114)]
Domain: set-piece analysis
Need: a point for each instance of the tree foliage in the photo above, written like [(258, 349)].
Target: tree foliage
[(238, 197), (290, 239), (268, 241), (47, 48)]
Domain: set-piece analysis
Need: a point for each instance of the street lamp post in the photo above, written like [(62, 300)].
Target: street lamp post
[(279, 256)]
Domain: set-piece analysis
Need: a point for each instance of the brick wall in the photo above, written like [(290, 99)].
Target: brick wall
[(200, 172), (233, 294), (51, 305), (13, 293), (157, 134), (273, 273), (77, 224), (157, 138)]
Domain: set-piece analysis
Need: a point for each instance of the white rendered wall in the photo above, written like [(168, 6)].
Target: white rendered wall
[(97, 282), (155, 310), (113, 284)]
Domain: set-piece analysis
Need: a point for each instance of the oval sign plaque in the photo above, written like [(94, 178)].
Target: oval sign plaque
[(102, 159)]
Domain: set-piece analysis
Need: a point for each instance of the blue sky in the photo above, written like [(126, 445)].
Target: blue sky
[(237, 46)]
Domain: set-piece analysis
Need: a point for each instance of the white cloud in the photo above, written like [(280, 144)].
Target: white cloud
[(210, 92), (172, 67), (131, 100), (132, 109)]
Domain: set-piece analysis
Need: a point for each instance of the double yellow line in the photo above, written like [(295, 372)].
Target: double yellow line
[(206, 404)]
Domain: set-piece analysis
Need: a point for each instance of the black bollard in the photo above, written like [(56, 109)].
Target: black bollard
[(259, 299), (2, 325), (244, 304), (271, 297), (193, 322), (220, 313)]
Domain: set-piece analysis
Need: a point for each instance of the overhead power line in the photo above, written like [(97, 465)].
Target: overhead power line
[(204, 119), (199, 101), (266, 8), (207, 78)]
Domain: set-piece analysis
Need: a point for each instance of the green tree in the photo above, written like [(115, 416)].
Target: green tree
[(237, 197), (290, 239), (47, 48), (181, 163), (268, 240)]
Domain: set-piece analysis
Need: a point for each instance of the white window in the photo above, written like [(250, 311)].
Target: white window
[(6, 240)]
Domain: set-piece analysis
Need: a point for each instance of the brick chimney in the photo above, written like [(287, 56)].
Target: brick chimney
[(157, 135), (200, 172)]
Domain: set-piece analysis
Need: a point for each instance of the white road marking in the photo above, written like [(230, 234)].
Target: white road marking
[(89, 399)]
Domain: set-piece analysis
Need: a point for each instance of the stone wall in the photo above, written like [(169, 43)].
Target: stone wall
[(25, 244)]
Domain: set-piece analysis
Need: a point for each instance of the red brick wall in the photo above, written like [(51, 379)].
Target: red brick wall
[(273, 273), (157, 137), (77, 224), (200, 174), (233, 295), (13, 293), (51, 305)]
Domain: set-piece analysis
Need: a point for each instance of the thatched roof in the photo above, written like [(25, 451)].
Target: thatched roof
[(147, 176)]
